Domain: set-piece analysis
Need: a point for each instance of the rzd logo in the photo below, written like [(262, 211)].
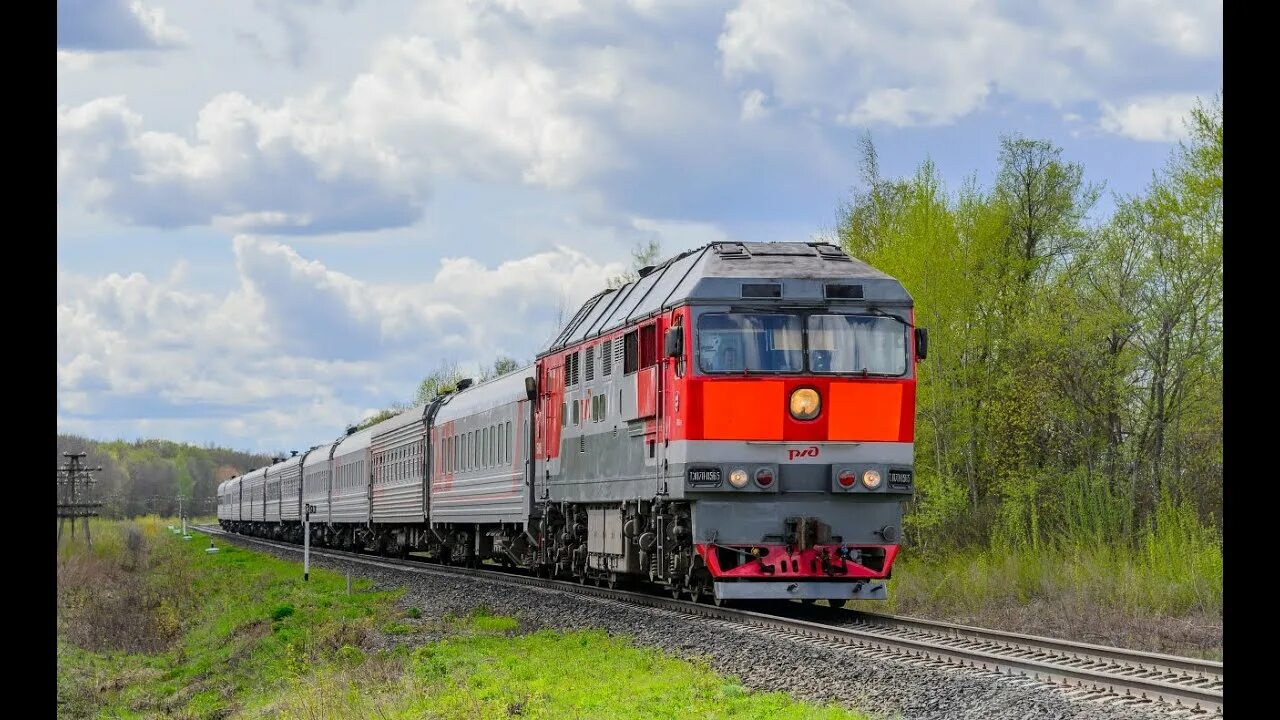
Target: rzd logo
[(811, 451)]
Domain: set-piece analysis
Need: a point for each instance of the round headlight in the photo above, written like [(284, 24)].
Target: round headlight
[(805, 404), (846, 478), (764, 477), (738, 478), (871, 479)]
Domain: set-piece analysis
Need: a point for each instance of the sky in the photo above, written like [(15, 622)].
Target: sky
[(275, 217)]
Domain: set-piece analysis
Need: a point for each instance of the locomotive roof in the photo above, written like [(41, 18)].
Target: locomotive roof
[(718, 272)]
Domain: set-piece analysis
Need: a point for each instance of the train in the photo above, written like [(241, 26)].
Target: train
[(736, 424)]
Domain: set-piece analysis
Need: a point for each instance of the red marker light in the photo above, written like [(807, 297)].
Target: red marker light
[(846, 479)]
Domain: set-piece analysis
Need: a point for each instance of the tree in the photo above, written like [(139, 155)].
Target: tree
[(1075, 378), (502, 365), (643, 255), (443, 380)]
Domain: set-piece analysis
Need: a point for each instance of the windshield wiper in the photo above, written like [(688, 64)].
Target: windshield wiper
[(880, 313)]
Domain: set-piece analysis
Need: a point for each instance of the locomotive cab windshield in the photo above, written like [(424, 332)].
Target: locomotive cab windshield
[(822, 342)]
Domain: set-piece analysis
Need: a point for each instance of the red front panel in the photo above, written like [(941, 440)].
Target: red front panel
[(756, 408), (821, 562)]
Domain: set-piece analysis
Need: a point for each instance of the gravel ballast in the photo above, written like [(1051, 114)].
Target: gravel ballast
[(872, 681)]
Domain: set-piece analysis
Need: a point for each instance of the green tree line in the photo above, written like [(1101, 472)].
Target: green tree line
[(148, 476), (1073, 390)]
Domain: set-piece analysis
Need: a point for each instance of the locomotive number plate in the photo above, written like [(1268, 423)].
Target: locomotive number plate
[(704, 477)]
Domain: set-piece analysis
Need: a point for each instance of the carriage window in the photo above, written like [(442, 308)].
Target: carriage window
[(509, 441), (737, 342), (857, 344)]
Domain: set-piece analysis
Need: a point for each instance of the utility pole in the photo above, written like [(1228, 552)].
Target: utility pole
[(74, 483)]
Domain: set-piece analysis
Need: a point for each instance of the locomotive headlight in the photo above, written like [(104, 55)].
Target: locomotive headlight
[(871, 479), (805, 404), (738, 478)]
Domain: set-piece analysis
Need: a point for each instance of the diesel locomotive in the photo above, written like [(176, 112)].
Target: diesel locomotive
[(736, 424)]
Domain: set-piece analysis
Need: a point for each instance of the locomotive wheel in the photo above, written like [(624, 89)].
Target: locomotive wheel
[(837, 603), (696, 594), (612, 582), (676, 592)]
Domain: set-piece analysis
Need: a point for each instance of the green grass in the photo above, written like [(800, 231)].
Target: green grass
[(238, 634), (1159, 591)]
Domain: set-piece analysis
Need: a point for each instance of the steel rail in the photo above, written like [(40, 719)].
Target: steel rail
[(1187, 683)]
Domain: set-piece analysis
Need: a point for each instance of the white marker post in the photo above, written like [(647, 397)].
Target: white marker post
[(306, 542)]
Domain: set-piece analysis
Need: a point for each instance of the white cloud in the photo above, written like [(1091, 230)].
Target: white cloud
[(292, 168), (753, 107), (1155, 118), (930, 63), (73, 61), (296, 349), (476, 94), (107, 25)]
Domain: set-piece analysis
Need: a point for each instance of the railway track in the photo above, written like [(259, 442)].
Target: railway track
[(1186, 686)]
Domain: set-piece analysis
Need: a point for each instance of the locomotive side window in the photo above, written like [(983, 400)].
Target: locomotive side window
[(631, 361), (575, 412), (564, 416)]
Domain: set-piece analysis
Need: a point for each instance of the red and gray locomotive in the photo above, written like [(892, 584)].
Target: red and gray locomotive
[(735, 424)]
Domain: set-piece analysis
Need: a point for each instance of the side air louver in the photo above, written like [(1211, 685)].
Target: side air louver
[(843, 292), (762, 290)]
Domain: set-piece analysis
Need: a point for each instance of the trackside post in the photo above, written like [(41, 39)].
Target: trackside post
[(306, 542)]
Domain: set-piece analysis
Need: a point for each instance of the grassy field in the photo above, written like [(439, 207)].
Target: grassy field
[(151, 626), (1165, 594)]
